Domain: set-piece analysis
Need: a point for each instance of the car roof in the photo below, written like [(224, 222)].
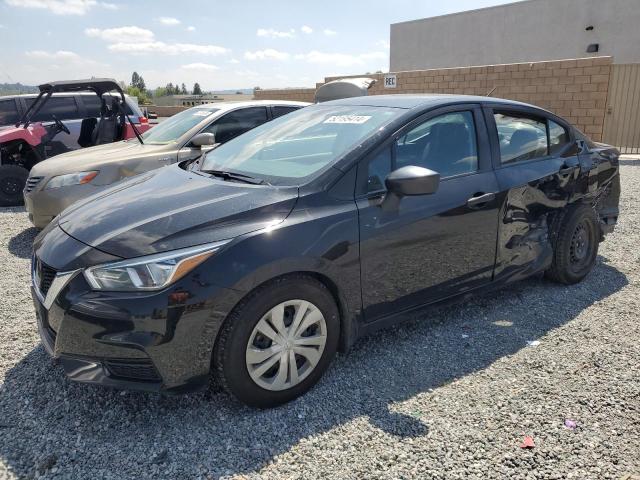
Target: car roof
[(98, 85), (410, 101), (224, 106)]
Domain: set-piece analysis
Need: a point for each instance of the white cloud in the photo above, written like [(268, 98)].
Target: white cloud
[(271, 33), (340, 59), (329, 33), (199, 66), (268, 54), (167, 48), (57, 7), (169, 21), (114, 35), (246, 73), (234, 61), (58, 55), (191, 28), (109, 6), (306, 29)]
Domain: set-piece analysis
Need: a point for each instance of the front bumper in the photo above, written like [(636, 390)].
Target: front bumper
[(160, 341), (44, 205)]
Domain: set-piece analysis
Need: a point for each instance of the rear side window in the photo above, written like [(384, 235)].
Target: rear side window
[(521, 137), (237, 122), (64, 108), (279, 110), (8, 112), (446, 144)]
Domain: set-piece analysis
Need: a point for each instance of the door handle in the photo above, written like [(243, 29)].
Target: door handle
[(480, 199)]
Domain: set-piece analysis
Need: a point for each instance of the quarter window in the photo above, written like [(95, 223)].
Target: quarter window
[(521, 138), (558, 137), (446, 144), (279, 110)]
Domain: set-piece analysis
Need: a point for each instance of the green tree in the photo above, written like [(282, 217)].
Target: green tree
[(135, 79), (169, 88), (184, 89), (196, 89), (160, 92)]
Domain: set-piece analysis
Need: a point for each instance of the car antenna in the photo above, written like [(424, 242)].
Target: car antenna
[(491, 91)]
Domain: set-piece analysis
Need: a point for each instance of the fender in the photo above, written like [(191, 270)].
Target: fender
[(32, 134)]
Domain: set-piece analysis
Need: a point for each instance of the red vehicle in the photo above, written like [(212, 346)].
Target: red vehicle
[(26, 143)]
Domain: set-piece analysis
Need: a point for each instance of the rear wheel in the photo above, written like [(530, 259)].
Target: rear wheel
[(576, 247), (278, 342), (12, 181)]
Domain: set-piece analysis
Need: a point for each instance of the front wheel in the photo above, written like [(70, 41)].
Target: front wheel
[(12, 181), (278, 342), (576, 247)]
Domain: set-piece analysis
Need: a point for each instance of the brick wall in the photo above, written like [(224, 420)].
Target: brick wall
[(573, 89), (296, 94)]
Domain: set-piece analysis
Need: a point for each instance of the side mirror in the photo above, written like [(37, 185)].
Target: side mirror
[(409, 181), (203, 140)]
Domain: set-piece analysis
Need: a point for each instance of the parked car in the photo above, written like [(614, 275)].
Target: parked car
[(57, 183), (64, 116), (302, 235)]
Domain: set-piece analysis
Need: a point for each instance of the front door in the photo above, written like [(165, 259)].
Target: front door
[(432, 246)]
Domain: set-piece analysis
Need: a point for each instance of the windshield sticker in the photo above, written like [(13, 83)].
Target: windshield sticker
[(352, 119), (202, 113)]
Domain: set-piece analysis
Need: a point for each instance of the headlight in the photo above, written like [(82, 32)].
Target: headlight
[(152, 272), (72, 179)]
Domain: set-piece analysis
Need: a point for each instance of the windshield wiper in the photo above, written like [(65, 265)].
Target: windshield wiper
[(239, 177)]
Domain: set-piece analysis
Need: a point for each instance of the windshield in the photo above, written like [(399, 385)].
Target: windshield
[(174, 127), (299, 145)]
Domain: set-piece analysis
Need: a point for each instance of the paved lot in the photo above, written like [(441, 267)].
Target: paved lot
[(449, 395)]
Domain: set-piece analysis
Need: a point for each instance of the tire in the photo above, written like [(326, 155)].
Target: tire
[(12, 181), (576, 247), (238, 354)]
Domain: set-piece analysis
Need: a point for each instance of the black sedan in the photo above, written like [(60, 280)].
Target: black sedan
[(293, 240)]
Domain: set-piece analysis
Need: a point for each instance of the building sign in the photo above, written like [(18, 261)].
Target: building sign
[(390, 81)]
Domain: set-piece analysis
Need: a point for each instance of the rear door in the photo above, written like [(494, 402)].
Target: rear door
[(535, 158), (432, 246)]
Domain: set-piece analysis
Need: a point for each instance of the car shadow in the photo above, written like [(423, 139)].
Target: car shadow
[(633, 162), (120, 433), (20, 245)]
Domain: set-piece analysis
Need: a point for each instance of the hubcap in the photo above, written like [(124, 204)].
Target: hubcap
[(10, 186), (286, 345), (579, 244)]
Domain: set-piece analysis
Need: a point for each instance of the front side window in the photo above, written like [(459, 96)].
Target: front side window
[(237, 122), (63, 108), (372, 173), (279, 110), (521, 137), (8, 112), (445, 144), (170, 130), (301, 144)]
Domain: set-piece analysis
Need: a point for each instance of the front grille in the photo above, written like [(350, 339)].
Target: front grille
[(46, 274), (133, 369), (32, 182)]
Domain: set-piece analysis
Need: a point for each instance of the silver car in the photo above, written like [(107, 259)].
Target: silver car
[(58, 182)]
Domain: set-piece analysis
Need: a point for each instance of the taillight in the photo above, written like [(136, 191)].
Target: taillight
[(143, 119)]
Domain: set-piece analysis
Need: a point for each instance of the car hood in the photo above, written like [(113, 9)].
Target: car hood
[(95, 157), (171, 208)]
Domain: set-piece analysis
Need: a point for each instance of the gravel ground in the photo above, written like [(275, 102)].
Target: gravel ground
[(449, 397)]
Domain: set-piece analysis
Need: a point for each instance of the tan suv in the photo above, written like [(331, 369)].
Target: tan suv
[(58, 182)]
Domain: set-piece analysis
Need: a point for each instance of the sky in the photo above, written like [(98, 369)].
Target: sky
[(221, 45)]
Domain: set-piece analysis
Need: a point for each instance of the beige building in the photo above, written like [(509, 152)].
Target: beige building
[(577, 58)]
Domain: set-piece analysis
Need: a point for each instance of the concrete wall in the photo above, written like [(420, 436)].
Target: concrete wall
[(533, 30), (574, 89)]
